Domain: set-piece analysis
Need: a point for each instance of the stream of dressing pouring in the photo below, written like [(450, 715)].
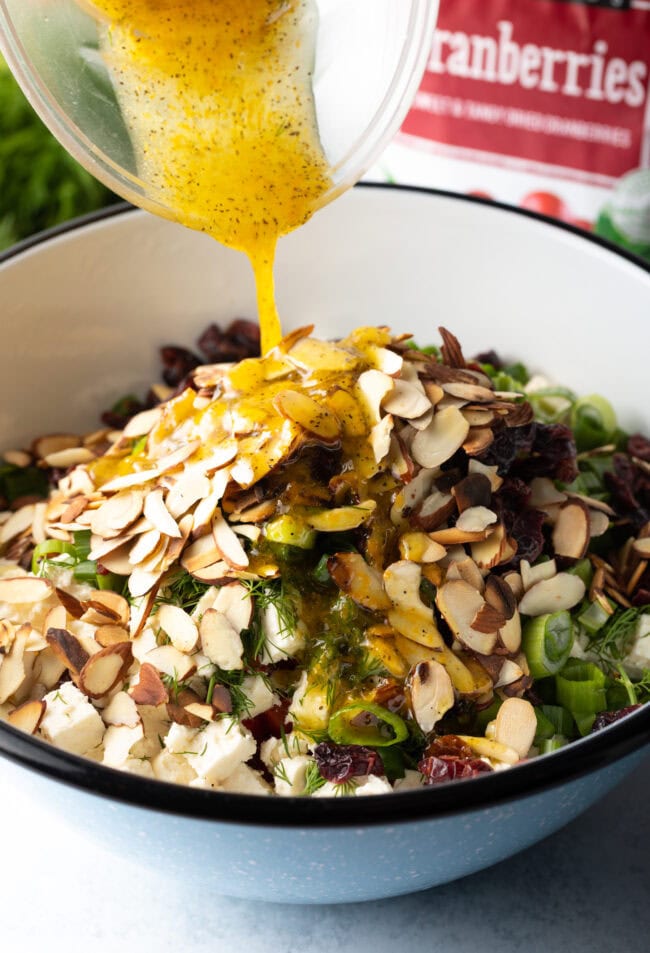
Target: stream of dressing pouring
[(217, 97)]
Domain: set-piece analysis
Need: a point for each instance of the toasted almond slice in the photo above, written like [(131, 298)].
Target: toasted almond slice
[(385, 360), (460, 603), (207, 507), (109, 634), (142, 581), (28, 716), (510, 672), (478, 417), (434, 392), (18, 458), (468, 570), (571, 530), (374, 386), (201, 710), (475, 519), (215, 573), (380, 437), (142, 423), (201, 553), (158, 514), (492, 551), (475, 466), (117, 561), (121, 710), (315, 417), (99, 548), (342, 518), (170, 661), (488, 619), (145, 545), (433, 511), (220, 642), (494, 750), (472, 491), (563, 591), (544, 493), (514, 580), (218, 458), (74, 509), (472, 392), (227, 543), (56, 618), (441, 439), (71, 457), (406, 400), (432, 694), (117, 513), (52, 443), (599, 523), (516, 725), (454, 536), (409, 498), (19, 522), (421, 423), (105, 669), (386, 653), (174, 459), (149, 689), (70, 603), (24, 589), (235, 602), (642, 547), (178, 713), (478, 439), (499, 595), (533, 574), (180, 628), (68, 649), (131, 480), (12, 667), (361, 582), (188, 490), (104, 605)]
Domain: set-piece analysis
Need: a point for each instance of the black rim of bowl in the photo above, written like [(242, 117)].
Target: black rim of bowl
[(596, 752)]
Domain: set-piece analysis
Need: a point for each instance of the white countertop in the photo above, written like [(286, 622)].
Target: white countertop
[(583, 890)]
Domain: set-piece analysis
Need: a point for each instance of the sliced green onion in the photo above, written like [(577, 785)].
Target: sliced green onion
[(290, 530), (581, 689), (49, 548), (320, 571), (593, 422), (82, 543), (583, 570), (547, 642), (366, 724), (86, 571), (393, 761), (545, 728), (585, 722), (561, 719), (110, 580), (552, 744), (594, 617)]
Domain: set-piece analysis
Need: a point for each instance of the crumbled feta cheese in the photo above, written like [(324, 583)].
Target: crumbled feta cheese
[(274, 749), (290, 775), (280, 642), (214, 751), (410, 782), (373, 784), (245, 780), (173, 768), (309, 705), (638, 657), (260, 696), (70, 721), (118, 742), (138, 766)]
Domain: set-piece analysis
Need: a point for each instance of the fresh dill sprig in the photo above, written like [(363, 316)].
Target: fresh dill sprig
[(181, 589), (268, 593), (173, 685), (314, 780), (280, 773), (369, 666), (612, 642)]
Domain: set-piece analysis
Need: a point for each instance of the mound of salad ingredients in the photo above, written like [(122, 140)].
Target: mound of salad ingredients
[(347, 567)]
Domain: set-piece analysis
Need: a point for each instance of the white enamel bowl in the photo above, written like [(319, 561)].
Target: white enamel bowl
[(83, 313)]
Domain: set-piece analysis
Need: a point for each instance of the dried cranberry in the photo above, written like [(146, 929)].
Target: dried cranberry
[(639, 446), (239, 341), (606, 718), (522, 522), (339, 763), (630, 488), (440, 770), (448, 746), (552, 454), (269, 724), (490, 357), (177, 364), (508, 444)]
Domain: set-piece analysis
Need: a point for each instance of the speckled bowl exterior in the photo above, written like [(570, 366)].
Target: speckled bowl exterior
[(83, 312)]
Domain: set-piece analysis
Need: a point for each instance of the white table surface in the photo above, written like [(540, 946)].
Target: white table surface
[(583, 890)]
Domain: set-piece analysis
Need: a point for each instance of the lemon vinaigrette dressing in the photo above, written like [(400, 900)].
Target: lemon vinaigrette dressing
[(218, 100)]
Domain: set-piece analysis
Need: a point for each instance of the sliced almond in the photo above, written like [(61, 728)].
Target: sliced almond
[(121, 710), (492, 473), (374, 387), (142, 423), (460, 603), (177, 709), (72, 457), (227, 543), (311, 414), (158, 514), (357, 579), (514, 580), (488, 619), (387, 361), (441, 439), (70, 603), (478, 439), (201, 553), (510, 634), (454, 536), (544, 493), (12, 667), (499, 595), (533, 574), (563, 591), (642, 547), (216, 573), (201, 710), (235, 602), (149, 689), (145, 545), (434, 511), (104, 605), (489, 748), (170, 661), (117, 513), (475, 519), (492, 551), (18, 590), (470, 392), (510, 672), (109, 634), (142, 581), (516, 725), (599, 523), (466, 569), (179, 626), (19, 522), (349, 411), (406, 400), (130, 480), (420, 548), (571, 531), (68, 649), (432, 694), (18, 458), (186, 491), (52, 443), (379, 437), (220, 641), (28, 716)]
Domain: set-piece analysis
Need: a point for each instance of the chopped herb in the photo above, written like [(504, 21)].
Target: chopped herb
[(181, 589), (313, 779), (612, 642)]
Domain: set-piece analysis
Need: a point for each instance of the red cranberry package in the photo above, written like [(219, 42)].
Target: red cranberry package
[(543, 104)]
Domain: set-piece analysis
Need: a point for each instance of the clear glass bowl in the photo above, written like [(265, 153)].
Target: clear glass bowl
[(369, 58)]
